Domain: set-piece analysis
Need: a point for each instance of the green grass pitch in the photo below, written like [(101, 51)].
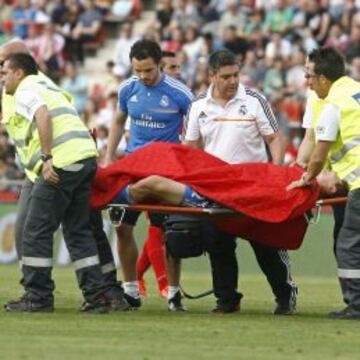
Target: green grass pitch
[(153, 333)]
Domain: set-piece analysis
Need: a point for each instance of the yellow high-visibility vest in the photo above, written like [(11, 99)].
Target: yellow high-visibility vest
[(8, 111), (344, 155), (71, 140)]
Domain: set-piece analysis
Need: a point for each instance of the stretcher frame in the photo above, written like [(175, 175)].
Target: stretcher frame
[(122, 208)]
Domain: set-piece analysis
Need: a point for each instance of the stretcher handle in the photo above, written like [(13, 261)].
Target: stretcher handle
[(332, 201)]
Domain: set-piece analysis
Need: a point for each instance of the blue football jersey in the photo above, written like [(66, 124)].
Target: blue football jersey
[(156, 112)]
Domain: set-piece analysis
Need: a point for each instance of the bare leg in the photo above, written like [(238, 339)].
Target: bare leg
[(128, 252), (161, 189), (173, 270)]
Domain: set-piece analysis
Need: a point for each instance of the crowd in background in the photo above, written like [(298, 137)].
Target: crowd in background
[(270, 38)]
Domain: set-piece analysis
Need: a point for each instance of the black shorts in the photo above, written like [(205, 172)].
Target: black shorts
[(131, 218)]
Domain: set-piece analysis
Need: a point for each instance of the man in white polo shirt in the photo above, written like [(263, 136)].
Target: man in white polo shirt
[(236, 124)]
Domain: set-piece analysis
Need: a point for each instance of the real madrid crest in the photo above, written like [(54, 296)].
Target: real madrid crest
[(243, 110), (164, 102)]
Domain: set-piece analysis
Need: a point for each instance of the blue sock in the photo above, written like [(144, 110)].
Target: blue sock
[(193, 199), (123, 196)]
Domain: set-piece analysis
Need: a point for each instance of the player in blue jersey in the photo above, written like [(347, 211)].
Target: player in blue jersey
[(156, 105)]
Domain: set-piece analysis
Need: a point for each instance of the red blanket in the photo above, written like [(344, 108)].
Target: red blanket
[(255, 189)]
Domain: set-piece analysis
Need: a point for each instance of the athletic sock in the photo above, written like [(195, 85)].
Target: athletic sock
[(143, 261), (172, 290), (131, 288), (193, 199), (155, 251)]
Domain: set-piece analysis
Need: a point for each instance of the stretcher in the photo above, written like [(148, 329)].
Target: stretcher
[(117, 211)]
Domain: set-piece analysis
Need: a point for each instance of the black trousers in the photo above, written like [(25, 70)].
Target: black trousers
[(348, 251), (106, 257), (339, 213), (50, 205), (273, 262)]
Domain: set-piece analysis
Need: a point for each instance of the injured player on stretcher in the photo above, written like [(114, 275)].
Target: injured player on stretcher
[(171, 174)]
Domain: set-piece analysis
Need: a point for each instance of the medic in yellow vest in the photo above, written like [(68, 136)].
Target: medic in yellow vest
[(338, 141), (51, 130), (337, 102)]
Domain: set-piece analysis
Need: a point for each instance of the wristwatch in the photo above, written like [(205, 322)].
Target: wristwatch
[(45, 157)]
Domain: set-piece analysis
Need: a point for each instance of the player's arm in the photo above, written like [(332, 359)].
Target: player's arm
[(115, 134)]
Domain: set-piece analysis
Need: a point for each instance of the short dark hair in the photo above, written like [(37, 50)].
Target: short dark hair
[(221, 58), (328, 62), (168, 54), (25, 62), (144, 49)]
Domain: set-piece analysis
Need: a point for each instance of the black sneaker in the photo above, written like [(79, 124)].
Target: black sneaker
[(225, 308), (26, 304), (86, 306), (175, 304), (135, 303), (287, 307), (104, 305), (348, 313)]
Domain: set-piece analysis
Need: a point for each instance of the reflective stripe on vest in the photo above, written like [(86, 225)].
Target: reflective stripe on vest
[(54, 112), (19, 143), (58, 141), (63, 111), (49, 87), (346, 148), (352, 176)]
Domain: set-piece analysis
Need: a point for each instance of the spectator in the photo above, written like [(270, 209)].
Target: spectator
[(87, 28), (278, 47), (125, 41), (5, 14), (185, 14), (50, 47), (355, 68), (65, 17), (318, 21), (7, 173), (77, 85), (279, 18), (22, 15), (235, 43), (295, 80), (233, 16), (274, 82), (353, 48), (337, 38), (164, 14)]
